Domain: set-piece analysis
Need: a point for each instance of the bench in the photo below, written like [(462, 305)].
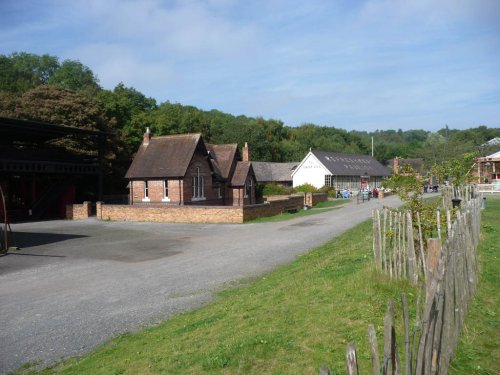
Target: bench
[(290, 209)]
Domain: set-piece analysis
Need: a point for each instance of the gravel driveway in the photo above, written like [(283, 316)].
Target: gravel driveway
[(75, 284)]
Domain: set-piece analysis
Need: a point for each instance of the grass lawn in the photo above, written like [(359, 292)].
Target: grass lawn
[(299, 317), (320, 207)]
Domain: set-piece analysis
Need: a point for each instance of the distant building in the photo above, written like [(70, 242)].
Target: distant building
[(184, 170), (397, 164), (487, 168), (340, 171), (278, 173)]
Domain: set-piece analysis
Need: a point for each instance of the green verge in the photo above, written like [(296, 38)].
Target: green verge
[(319, 208), (479, 348), (297, 318)]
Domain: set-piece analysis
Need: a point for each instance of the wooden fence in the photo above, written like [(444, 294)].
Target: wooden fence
[(450, 285), (399, 246)]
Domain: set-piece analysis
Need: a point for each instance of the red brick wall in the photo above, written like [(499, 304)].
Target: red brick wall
[(195, 214), (78, 211), (272, 208), (312, 199), (170, 214)]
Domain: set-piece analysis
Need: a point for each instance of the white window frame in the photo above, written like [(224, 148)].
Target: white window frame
[(198, 186), (250, 184), (145, 197), (219, 190), (165, 191)]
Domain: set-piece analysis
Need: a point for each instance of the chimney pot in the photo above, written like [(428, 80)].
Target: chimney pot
[(246, 152), (147, 137)]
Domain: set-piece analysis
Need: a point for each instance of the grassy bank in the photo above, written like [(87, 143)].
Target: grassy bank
[(479, 349), (320, 207), (297, 318)]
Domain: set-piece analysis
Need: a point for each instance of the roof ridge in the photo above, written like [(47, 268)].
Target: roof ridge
[(177, 135)]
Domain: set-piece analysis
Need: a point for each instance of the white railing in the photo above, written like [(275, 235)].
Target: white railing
[(488, 188)]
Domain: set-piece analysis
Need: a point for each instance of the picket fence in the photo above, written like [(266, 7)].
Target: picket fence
[(450, 284)]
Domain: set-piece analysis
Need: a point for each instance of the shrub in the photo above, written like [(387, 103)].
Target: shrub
[(328, 190), (275, 189), (305, 188)]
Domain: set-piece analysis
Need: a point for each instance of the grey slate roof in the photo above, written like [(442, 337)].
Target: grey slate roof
[(350, 164), (273, 172), (167, 156)]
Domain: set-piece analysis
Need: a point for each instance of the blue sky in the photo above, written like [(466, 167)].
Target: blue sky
[(365, 65)]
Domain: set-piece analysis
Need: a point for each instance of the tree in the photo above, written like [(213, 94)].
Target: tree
[(75, 76), (22, 71), (457, 171), (57, 105)]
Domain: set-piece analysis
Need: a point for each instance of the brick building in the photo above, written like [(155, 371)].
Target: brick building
[(184, 170)]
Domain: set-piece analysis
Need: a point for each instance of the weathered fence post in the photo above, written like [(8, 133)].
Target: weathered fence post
[(372, 338), (351, 360), (324, 370), (412, 263), (406, 319), (433, 256)]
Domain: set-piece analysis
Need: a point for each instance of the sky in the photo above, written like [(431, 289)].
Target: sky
[(355, 65)]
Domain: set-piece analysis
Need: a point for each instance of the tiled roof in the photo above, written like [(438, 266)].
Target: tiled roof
[(222, 157), (350, 164), (243, 168), (167, 156), (277, 172)]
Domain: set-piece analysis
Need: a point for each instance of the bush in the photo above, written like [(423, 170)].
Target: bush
[(275, 189), (305, 188), (328, 190)]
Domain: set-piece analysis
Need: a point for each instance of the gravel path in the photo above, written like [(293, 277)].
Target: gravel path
[(75, 284)]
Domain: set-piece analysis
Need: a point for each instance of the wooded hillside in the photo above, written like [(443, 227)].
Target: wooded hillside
[(43, 88)]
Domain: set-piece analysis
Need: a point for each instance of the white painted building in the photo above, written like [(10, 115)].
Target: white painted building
[(340, 171)]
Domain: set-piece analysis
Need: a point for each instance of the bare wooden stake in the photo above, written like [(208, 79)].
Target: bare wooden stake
[(438, 221), (372, 338), (421, 241), (324, 370), (389, 359), (406, 319), (351, 360)]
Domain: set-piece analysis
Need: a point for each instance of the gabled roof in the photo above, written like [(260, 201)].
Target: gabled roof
[(277, 172), (166, 156), (350, 164), (222, 157), (495, 155), (492, 142), (243, 168)]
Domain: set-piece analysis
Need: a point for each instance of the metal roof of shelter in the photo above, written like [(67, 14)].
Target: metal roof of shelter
[(36, 131)]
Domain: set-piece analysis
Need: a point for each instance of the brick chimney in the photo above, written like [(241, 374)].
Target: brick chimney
[(246, 152), (147, 137), (395, 166)]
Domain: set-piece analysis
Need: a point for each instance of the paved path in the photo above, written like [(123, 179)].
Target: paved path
[(75, 284)]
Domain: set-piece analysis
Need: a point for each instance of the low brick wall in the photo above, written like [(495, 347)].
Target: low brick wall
[(194, 214), (170, 214), (272, 207), (312, 199), (79, 211)]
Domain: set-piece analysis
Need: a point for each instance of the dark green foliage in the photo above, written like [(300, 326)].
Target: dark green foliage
[(275, 189), (305, 188), (128, 112)]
